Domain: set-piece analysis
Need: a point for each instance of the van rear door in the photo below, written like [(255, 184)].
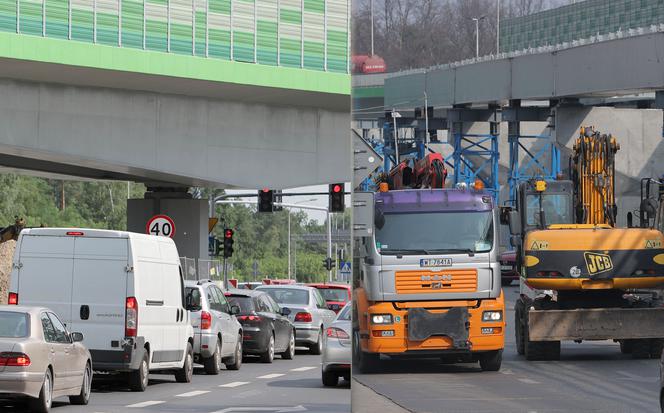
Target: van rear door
[(45, 266), (99, 292)]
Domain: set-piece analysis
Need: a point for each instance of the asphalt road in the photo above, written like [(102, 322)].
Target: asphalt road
[(283, 386), (590, 377)]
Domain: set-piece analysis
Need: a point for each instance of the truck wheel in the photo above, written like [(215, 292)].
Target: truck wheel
[(626, 346), (490, 361), (183, 375), (364, 362), (656, 345), (212, 364), (641, 348), (138, 379)]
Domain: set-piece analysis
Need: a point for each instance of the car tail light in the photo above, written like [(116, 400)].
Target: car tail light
[(131, 317), (206, 320), (334, 332), (11, 359), (303, 317), (75, 233), (12, 299), (249, 318)]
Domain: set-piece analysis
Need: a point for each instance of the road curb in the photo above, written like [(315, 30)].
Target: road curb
[(365, 400)]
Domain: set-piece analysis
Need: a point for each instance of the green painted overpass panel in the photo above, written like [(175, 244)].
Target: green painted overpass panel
[(314, 55), (30, 18), (81, 25), (181, 39), (107, 28), (200, 33), (290, 53), (219, 44), (266, 52), (8, 16), (65, 52), (132, 23), (57, 18), (243, 46)]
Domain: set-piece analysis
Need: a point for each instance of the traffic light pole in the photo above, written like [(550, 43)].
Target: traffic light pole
[(329, 241), (225, 275)]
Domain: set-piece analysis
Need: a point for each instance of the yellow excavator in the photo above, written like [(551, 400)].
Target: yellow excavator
[(582, 278)]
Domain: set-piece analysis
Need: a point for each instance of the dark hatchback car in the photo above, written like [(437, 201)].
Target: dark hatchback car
[(266, 328)]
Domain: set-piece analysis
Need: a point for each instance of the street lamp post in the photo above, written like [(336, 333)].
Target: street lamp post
[(477, 34)]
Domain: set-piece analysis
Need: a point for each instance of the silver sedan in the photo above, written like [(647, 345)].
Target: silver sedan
[(337, 349), (308, 313), (40, 359)]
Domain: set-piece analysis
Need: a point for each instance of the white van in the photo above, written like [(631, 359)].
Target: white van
[(124, 291)]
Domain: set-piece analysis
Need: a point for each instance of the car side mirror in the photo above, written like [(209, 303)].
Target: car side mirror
[(514, 223), (235, 310), (76, 337), (285, 311), (505, 215)]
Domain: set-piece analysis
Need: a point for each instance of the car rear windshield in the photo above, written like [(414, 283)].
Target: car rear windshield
[(288, 295), (246, 304), (334, 294), (13, 324), (344, 314)]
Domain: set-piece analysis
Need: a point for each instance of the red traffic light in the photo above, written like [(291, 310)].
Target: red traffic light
[(266, 190), (228, 233), (336, 188)]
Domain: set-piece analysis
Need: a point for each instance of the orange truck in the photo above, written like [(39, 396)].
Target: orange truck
[(427, 277)]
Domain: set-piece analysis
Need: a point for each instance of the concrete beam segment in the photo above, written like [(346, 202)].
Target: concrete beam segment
[(527, 114), (77, 63), (184, 140), (617, 67)]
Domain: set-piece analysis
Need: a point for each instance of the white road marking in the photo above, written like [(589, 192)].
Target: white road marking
[(234, 384), (303, 368), (529, 381), (271, 376), (508, 372), (146, 404), (192, 393), (298, 408)]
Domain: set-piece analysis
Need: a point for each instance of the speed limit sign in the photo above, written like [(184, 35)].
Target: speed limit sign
[(161, 226)]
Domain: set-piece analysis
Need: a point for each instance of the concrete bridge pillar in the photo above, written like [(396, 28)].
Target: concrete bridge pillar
[(189, 218)]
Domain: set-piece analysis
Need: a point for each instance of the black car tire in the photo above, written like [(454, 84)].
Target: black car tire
[(268, 355), (212, 364), (83, 397), (138, 379), (290, 351), (491, 360), (317, 348), (42, 404), (184, 374), (330, 379), (236, 361)]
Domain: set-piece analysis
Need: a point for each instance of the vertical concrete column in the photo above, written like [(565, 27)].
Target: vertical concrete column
[(190, 217)]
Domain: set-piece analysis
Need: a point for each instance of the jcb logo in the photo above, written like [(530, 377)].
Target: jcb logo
[(597, 263)]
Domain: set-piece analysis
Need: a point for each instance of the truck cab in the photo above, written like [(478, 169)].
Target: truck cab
[(428, 278)]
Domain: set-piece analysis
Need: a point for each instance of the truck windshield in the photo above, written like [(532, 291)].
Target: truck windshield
[(556, 209), (435, 233)]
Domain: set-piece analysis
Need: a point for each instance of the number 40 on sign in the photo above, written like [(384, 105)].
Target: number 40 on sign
[(161, 226)]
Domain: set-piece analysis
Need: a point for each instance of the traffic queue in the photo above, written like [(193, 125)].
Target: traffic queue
[(85, 301)]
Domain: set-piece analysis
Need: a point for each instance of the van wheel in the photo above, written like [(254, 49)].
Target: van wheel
[(184, 374), (212, 364), (84, 396), (290, 351), (42, 404), (138, 379), (236, 361), (317, 348), (268, 355)]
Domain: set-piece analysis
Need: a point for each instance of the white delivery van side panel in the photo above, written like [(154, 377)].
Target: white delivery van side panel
[(99, 292), (175, 335), (44, 276), (148, 288)]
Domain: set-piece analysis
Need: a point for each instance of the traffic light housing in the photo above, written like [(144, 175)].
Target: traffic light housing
[(329, 263), (228, 243), (336, 195), (265, 200)]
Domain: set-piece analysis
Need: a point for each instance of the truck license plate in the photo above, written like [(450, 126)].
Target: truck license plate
[(436, 262)]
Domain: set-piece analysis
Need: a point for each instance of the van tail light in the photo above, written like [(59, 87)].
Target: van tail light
[(11, 359), (303, 317), (131, 317), (12, 299), (333, 332), (206, 320)]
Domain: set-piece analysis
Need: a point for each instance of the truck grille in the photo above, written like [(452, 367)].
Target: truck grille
[(448, 281)]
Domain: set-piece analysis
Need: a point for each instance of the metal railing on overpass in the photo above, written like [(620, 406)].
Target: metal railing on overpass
[(291, 33)]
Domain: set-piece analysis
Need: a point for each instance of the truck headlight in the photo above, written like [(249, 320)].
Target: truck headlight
[(492, 316), (381, 319)]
